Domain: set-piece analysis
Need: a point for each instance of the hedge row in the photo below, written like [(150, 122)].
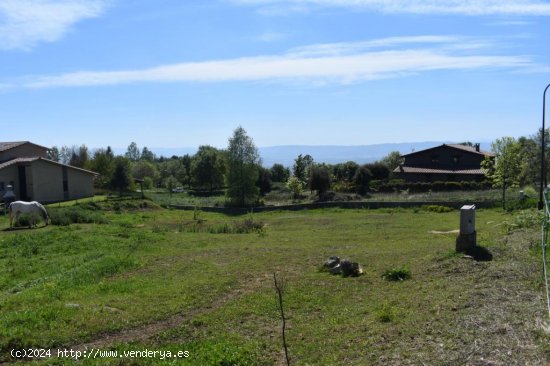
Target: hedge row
[(438, 186)]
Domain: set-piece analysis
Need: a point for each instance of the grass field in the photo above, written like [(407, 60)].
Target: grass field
[(180, 280)]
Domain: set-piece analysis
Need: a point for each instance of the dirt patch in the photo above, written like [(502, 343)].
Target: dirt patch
[(445, 232)]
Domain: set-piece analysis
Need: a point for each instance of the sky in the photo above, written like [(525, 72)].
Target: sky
[(172, 73)]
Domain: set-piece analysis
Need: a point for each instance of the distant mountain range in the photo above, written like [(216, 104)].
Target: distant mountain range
[(331, 154)]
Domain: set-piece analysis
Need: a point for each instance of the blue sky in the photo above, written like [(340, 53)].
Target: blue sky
[(172, 73)]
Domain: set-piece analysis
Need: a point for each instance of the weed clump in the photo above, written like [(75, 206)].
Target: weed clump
[(65, 216), (523, 220), (437, 208), (385, 314), (397, 274)]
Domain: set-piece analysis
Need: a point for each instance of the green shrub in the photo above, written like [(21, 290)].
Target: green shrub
[(437, 208), (64, 216), (397, 274), (385, 314), (524, 219), (248, 225), (24, 221)]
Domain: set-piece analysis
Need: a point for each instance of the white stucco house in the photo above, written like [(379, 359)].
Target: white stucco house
[(26, 167)]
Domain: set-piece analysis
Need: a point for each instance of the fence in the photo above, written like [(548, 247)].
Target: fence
[(545, 225), (345, 204)]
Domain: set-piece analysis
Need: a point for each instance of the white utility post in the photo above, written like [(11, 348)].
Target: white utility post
[(467, 238)]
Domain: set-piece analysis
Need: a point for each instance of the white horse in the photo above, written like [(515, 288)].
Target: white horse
[(32, 208)]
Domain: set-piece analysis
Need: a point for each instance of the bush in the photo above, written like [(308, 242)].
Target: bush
[(362, 179), (65, 216), (524, 219), (396, 185), (437, 208), (397, 274), (319, 179), (385, 313)]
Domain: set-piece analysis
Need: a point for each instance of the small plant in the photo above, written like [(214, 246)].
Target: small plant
[(437, 208), (523, 220), (248, 225), (75, 215), (24, 220), (385, 314), (397, 274), (197, 212)]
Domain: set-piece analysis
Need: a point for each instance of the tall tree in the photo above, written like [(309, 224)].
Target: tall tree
[(102, 163), (208, 168), (362, 179), (143, 168), (147, 154), (344, 172), (319, 179), (53, 154), (170, 183), (65, 154), (302, 166), (264, 181), (122, 176), (243, 161), (279, 173), (505, 169), (185, 173), (132, 153), (392, 160), (80, 157)]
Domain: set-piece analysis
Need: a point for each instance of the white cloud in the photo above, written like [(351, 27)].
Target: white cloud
[(465, 7), (271, 37), (24, 23), (323, 63)]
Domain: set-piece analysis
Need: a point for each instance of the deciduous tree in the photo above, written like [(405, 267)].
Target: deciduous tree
[(505, 169), (319, 179), (243, 161), (208, 168)]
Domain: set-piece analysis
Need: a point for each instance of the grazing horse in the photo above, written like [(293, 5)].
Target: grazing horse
[(32, 208)]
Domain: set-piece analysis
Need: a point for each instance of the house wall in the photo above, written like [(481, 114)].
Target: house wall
[(47, 182), (81, 184), (442, 158), (24, 151)]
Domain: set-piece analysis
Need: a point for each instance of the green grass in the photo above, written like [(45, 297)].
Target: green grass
[(97, 198), (210, 291)]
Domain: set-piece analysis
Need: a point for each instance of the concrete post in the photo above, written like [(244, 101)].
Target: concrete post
[(467, 238)]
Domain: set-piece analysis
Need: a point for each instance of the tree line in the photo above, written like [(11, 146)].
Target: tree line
[(236, 169)]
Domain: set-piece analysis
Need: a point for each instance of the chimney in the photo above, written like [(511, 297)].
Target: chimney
[(477, 147)]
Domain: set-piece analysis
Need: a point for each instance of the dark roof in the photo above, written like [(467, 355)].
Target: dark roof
[(10, 145), (29, 160), (413, 169), (469, 149)]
